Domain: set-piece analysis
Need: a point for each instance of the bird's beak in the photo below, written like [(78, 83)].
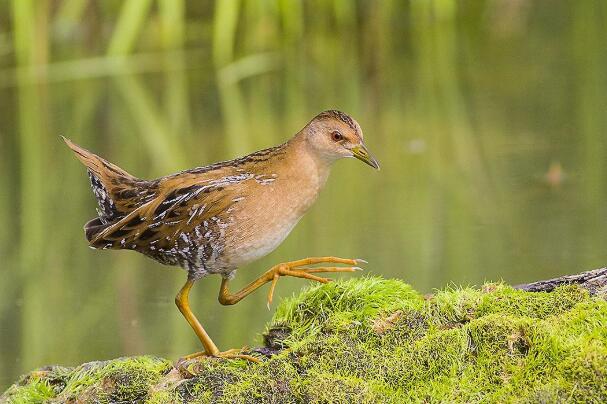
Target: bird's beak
[(361, 153)]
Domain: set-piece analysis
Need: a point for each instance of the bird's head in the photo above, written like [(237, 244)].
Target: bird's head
[(334, 135)]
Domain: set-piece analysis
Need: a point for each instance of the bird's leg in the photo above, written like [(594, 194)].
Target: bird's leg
[(296, 269), (210, 349), (182, 300)]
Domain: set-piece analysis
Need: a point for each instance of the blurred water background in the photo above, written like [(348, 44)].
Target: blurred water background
[(489, 118)]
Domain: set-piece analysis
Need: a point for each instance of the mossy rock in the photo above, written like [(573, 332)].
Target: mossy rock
[(371, 340)]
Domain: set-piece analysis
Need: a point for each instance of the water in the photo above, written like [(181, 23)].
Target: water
[(489, 124)]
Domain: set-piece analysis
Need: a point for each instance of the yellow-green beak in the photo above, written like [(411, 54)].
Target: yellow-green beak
[(361, 153)]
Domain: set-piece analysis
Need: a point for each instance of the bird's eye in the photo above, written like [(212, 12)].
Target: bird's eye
[(336, 136)]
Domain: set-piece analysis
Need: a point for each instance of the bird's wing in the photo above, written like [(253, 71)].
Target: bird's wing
[(181, 205)]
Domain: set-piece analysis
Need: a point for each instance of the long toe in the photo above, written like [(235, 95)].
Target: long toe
[(330, 269), (326, 260), (249, 358), (192, 356), (229, 354), (237, 354), (298, 273)]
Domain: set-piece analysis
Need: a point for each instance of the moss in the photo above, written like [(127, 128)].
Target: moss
[(374, 340), (118, 380), (123, 379), (39, 385), (346, 304), (34, 391), (328, 388)]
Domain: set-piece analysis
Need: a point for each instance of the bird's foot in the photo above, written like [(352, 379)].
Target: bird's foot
[(229, 354), (300, 269)]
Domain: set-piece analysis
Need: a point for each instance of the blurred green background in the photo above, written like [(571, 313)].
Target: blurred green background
[(489, 118)]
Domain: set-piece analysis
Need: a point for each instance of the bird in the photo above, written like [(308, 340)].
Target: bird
[(217, 218)]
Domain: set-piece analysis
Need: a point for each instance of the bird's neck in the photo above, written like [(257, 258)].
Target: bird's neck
[(300, 176), (305, 164)]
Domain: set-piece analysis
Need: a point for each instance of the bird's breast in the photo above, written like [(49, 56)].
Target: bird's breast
[(266, 216)]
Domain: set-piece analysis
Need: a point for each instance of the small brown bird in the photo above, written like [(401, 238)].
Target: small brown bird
[(217, 218)]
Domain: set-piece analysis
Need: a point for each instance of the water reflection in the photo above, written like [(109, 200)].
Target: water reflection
[(491, 141)]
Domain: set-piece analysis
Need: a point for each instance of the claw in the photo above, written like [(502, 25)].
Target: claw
[(271, 291), (361, 261)]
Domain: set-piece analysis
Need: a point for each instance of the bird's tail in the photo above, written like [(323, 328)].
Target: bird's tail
[(117, 192)]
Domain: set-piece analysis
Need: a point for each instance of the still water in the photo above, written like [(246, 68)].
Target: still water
[(492, 140)]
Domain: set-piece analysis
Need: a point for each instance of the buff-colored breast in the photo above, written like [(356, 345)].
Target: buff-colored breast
[(270, 210)]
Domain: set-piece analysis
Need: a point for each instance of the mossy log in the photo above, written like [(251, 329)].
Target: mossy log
[(379, 341), (594, 281)]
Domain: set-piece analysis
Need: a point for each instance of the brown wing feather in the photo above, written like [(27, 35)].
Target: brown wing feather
[(177, 210)]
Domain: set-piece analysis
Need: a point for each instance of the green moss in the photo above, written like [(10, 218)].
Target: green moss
[(344, 304), (373, 340), (35, 391), (38, 386), (124, 379), (329, 388), (463, 305)]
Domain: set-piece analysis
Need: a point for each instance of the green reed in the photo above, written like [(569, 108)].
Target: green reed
[(130, 22)]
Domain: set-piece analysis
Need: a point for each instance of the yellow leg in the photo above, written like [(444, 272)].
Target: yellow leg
[(210, 349), (293, 268)]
